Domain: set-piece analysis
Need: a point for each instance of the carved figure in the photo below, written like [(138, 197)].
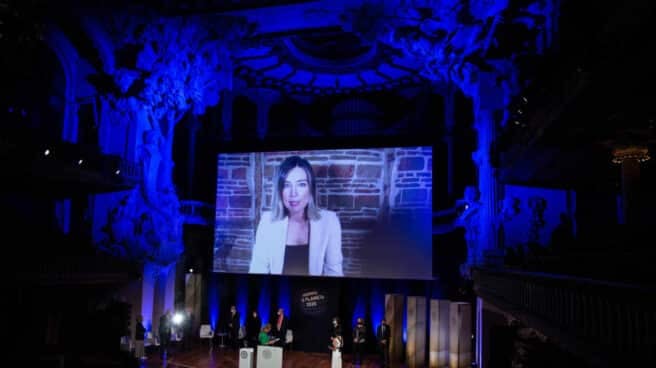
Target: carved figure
[(470, 219), (537, 206)]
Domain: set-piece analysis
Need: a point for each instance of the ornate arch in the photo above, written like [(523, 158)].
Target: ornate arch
[(68, 57)]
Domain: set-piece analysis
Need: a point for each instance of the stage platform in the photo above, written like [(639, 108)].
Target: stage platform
[(202, 357)]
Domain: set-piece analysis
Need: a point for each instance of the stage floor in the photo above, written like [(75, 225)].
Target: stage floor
[(202, 357)]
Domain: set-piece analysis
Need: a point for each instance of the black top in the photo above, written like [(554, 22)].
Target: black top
[(253, 327), (383, 332), (296, 260), (139, 332)]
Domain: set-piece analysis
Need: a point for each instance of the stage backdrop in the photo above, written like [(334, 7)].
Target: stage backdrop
[(311, 302), (382, 198), (313, 307)]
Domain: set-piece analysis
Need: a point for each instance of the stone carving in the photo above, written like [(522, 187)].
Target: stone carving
[(537, 222), (469, 219), (510, 207), (151, 156), (177, 65), (144, 232), (453, 37)]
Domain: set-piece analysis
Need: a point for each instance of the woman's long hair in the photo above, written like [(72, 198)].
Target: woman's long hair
[(278, 209)]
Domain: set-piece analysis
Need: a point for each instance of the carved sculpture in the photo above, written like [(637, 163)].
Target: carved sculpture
[(510, 207), (170, 66), (469, 219), (177, 66), (537, 206), (453, 38)]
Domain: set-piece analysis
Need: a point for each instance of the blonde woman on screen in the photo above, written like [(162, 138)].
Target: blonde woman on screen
[(296, 237)]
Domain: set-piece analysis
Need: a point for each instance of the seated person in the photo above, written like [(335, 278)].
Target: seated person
[(264, 338)]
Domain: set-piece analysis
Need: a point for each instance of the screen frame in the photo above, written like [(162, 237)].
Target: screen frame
[(260, 147), (321, 143)]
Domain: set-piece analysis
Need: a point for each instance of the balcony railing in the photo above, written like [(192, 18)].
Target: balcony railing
[(606, 323), (197, 212), (64, 167)]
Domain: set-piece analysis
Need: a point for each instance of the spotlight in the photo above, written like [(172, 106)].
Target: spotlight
[(117, 172), (519, 111), (191, 270), (517, 122), (178, 318), (524, 99), (80, 161), (46, 152)]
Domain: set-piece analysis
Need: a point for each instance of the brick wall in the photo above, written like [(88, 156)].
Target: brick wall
[(364, 187), (235, 210), (412, 181)]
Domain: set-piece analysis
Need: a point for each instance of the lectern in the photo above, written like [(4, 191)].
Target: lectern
[(246, 358), (269, 357)]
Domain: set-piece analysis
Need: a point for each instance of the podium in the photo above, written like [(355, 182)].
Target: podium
[(207, 333), (268, 357), (246, 358)]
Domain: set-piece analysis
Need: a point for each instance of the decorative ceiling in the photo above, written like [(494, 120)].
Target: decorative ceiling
[(326, 62), (181, 57), (338, 47)]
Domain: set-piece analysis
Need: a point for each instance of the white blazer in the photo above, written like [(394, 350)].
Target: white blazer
[(325, 249)]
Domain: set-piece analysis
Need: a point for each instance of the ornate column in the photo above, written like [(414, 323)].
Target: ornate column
[(629, 159), (487, 181), (148, 284), (69, 60), (449, 125), (265, 99)]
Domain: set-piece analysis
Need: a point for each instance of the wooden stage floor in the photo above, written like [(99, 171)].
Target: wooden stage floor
[(202, 357)]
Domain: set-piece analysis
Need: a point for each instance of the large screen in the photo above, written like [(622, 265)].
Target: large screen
[(333, 212)]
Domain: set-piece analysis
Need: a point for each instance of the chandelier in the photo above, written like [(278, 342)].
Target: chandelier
[(640, 154)]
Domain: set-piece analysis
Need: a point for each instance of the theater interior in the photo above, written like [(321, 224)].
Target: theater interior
[(490, 163)]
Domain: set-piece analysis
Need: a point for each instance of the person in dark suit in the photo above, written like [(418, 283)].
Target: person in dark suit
[(188, 326), (139, 334), (164, 334), (280, 326), (233, 327), (253, 326), (336, 327), (359, 333), (383, 336)]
